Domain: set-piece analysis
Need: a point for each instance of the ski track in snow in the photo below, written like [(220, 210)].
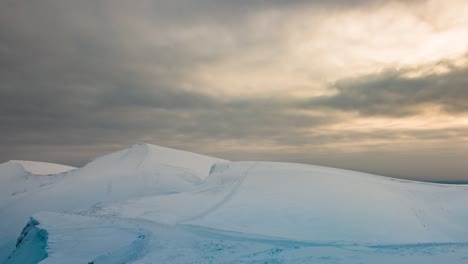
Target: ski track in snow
[(233, 191)]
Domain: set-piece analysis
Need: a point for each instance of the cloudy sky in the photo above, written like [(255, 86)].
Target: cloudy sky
[(375, 86)]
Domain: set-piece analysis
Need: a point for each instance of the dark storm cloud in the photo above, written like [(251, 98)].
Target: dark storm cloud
[(391, 93)]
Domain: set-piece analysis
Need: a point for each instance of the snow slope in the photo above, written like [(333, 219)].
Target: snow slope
[(313, 204), (84, 238), (42, 168), (137, 171), (18, 180), (197, 209), (143, 169), (20, 177)]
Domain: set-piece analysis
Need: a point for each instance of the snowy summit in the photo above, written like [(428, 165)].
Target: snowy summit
[(150, 204)]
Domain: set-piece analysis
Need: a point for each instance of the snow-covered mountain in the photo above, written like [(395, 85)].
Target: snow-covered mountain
[(19, 177), (138, 171), (150, 204), (40, 168)]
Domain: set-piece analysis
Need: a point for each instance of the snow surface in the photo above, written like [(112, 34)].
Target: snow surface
[(311, 203), (81, 239), (18, 178), (138, 171), (149, 204), (42, 168)]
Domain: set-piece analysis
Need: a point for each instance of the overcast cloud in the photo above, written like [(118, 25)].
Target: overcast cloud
[(366, 85)]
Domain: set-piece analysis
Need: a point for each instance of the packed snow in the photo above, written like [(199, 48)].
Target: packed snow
[(150, 204)]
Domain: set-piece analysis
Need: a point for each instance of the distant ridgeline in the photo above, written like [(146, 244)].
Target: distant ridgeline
[(450, 182)]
